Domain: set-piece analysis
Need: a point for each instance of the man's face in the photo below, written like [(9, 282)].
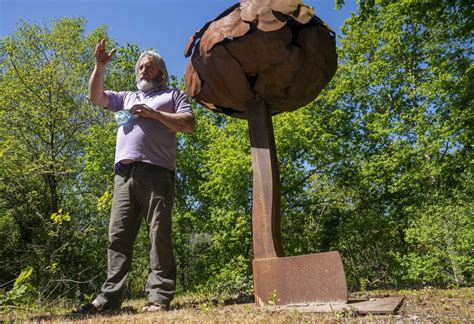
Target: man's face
[(147, 69)]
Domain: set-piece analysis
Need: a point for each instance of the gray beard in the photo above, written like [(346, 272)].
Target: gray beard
[(147, 85)]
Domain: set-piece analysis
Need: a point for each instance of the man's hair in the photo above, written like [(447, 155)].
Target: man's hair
[(163, 78)]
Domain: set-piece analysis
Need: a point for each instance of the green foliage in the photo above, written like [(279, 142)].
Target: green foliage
[(11, 230), (21, 293), (212, 224), (273, 298), (443, 239), (57, 220), (405, 86)]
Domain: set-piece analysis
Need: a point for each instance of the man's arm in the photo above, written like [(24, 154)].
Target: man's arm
[(96, 83), (176, 122)]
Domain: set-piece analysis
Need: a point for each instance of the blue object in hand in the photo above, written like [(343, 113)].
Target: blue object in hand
[(123, 116)]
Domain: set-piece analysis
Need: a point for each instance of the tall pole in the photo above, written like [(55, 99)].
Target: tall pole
[(266, 183)]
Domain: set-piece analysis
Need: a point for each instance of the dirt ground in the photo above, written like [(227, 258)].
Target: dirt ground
[(424, 305)]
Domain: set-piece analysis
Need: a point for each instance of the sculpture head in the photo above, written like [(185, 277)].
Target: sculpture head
[(276, 50)]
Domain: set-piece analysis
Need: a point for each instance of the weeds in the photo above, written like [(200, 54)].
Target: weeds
[(426, 305), (273, 298)]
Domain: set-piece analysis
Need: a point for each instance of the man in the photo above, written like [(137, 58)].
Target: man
[(145, 161)]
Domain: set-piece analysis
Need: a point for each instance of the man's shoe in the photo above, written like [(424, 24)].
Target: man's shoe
[(91, 309), (88, 309), (151, 307)]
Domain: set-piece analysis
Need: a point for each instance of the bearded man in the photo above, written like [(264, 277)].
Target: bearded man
[(145, 164)]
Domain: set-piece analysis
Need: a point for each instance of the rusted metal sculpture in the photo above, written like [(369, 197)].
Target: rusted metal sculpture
[(256, 59)]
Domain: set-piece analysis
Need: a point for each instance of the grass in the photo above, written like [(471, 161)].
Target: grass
[(425, 305)]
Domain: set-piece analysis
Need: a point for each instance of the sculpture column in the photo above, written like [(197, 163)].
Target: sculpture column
[(284, 280), (266, 183)]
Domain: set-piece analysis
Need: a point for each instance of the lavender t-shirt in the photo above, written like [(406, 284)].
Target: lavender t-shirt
[(144, 139)]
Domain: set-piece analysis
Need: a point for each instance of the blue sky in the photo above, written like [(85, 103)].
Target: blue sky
[(164, 25)]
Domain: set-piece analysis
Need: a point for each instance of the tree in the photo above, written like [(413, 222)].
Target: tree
[(53, 167), (212, 223), (405, 85)]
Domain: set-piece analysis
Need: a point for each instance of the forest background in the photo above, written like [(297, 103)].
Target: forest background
[(378, 167)]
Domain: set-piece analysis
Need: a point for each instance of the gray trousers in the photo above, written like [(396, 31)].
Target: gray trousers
[(141, 190)]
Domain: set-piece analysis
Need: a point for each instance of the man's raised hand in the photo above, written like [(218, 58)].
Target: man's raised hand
[(101, 56)]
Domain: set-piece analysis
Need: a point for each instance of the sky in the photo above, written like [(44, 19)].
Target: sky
[(162, 25)]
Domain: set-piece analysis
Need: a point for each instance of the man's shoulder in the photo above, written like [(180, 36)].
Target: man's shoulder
[(173, 92)]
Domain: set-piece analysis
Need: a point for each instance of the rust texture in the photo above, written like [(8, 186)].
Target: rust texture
[(266, 184), (300, 279), (256, 59), (270, 49)]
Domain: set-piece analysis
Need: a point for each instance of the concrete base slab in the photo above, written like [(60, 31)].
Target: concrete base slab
[(385, 305)]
